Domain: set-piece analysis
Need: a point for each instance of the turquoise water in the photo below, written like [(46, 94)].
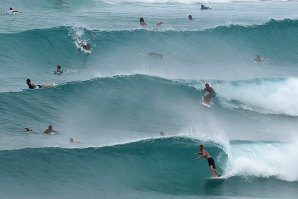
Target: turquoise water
[(138, 82)]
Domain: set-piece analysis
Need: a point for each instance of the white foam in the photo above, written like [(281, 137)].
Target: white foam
[(183, 1), (267, 96), (263, 159), (214, 135)]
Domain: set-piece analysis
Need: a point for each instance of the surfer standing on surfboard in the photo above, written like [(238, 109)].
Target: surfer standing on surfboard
[(210, 160), (211, 93)]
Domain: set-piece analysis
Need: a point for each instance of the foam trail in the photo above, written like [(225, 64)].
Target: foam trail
[(263, 159)]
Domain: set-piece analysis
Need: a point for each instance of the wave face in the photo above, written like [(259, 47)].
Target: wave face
[(149, 168), (124, 108), (132, 104), (198, 54)]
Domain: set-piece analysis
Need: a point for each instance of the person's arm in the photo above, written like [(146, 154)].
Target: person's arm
[(213, 92), (198, 153), (203, 92)]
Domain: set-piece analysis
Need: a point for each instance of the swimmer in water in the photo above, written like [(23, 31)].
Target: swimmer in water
[(204, 7), (189, 17), (28, 129), (86, 46), (142, 22), (11, 11), (258, 58), (83, 45), (31, 85), (58, 70), (49, 130), (71, 140)]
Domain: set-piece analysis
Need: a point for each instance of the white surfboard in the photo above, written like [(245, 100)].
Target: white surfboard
[(204, 103), (215, 179)]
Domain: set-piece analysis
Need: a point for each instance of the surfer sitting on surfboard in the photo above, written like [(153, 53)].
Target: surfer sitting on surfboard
[(210, 95), (210, 160)]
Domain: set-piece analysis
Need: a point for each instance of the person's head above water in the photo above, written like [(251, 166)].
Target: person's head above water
[(207, 85), (71, 140), (28, 81), (189, 17), (50, 127), (201, 147), (10, 8), (142, 20), (58, 67), (204, 7)]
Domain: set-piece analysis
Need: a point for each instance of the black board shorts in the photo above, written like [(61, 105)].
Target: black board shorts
[(211, 162)]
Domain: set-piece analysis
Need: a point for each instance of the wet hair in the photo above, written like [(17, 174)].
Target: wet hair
[(71, 139), (50, 126), (58, 66), (202, 6), (206, 84), (189, 17), (28, 80), (142, 19), (201, 146), (10, 8)]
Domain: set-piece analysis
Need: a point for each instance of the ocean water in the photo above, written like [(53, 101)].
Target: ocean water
[(137, 82)]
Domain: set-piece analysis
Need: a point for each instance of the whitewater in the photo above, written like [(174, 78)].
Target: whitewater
[(132, 104)]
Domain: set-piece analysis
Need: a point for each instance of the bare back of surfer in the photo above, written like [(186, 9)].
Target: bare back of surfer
[(210, 95), (210, 160)]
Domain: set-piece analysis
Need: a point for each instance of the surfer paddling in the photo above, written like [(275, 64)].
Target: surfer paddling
[(33, 86), (258, 58), (50, 130), (12, 11), (142, 22), (210, 160), (211, 93)]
